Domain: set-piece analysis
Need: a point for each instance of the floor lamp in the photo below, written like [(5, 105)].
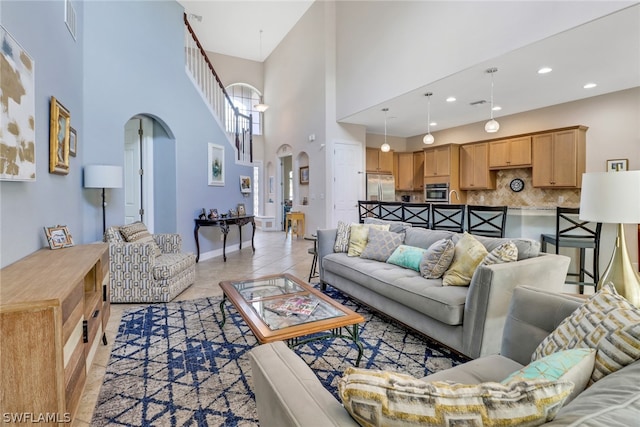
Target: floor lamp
[(614, 197), (103, 176)]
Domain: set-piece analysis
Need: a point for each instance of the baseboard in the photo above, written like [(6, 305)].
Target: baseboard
[(235, 247)]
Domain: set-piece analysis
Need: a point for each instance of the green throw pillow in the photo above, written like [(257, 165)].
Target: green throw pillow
[(383, 398), (407, 257), (570, 365), (468, 253)]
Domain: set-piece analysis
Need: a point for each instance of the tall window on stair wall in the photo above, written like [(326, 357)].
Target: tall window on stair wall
[(244, 97)]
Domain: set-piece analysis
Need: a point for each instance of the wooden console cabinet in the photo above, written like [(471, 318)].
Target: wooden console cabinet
[(54, 305)]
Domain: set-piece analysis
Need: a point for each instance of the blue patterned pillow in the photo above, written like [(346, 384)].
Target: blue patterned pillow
[(407, 257), (381, 244)]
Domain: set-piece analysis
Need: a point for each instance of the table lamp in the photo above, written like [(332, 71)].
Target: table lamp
[(614, 197), (103, 176)]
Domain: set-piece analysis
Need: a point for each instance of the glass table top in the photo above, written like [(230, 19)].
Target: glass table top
[(281, 302)]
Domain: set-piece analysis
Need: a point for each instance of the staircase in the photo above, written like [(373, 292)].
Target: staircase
[(237, 125)]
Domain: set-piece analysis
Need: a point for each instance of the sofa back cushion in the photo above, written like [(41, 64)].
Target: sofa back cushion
[(395, 226), (423, 238), (527, 248)]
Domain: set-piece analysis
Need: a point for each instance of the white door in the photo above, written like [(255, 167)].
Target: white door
[(348, 181), (132, 178)]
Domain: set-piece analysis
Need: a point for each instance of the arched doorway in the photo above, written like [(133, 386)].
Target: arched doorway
[(150, 174)]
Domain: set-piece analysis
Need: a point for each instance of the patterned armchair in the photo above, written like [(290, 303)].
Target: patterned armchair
[(145, 267)]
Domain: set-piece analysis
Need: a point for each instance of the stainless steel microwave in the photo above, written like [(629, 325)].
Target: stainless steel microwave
[(436, 193)]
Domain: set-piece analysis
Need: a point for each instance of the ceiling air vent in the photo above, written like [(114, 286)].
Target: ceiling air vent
[(70, 17)]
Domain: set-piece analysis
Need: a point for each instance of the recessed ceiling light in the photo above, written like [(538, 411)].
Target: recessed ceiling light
[(451, 99), (544, 70), (497, 108), (433, 124), (589, 85)]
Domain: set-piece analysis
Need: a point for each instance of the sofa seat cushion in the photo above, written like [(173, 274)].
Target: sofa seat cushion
[(403, 285), (492, 368), (168, 265)]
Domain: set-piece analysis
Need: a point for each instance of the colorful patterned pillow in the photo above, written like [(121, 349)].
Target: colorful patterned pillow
[(570, 365), (407, 257), (377, 398), (359, 235), (506, 252), (607, 323), (437, 259), (137, 232), (381, 244), (467, 255), (342, 237)]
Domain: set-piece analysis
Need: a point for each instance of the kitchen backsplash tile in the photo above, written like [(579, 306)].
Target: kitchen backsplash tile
[(528, 197)]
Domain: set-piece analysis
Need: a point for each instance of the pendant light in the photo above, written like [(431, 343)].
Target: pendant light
[(428, 138), (492, 125), (261, 107), (385, 147)]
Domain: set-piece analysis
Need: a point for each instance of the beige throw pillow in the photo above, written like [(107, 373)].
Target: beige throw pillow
[(468, 253), (506, 252), (607, 323), (383, 398), (137, 232), (359, 235)]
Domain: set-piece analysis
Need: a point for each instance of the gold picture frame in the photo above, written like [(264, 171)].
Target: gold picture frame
[(58, 236), (617, 165), (59, 126)]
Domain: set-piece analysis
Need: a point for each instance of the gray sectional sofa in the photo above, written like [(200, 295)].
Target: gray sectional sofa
[(289, 394), (468, 319)]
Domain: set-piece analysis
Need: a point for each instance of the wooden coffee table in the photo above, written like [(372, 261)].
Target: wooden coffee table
[(260, 302)]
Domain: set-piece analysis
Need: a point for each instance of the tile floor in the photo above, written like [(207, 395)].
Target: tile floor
[(275, 253)]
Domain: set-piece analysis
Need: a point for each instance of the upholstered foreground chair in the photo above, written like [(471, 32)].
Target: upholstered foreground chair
[(145, 267)]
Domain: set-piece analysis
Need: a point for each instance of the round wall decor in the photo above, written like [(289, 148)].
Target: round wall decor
[(516, 185)]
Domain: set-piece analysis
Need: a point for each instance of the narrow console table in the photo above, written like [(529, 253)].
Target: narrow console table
[(224, 223)]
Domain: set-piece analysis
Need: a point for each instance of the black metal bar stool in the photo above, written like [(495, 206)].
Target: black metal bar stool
[(313, 251), (447, 217), (571, 232), (487, 221)]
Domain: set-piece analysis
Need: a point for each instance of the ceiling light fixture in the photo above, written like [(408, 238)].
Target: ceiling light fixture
[(428, 138), (492, 125), (451, 99), (545, 70), (385, 147), (261, 107), (590, 85)]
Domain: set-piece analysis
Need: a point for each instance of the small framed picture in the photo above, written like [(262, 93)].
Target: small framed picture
[(617, 165), (213, 214), (241, 209), (58, 237), (73, 142), (245, 184), (304, 175)]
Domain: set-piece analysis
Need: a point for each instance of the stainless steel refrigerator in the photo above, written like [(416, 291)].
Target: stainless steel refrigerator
[(381, 186)]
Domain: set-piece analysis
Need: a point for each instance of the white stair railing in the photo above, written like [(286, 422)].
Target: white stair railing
[(237, 125)]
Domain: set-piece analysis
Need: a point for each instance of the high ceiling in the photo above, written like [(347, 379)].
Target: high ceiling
[(605, 51)]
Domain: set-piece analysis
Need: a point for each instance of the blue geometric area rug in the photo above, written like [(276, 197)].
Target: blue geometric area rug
[(172, 364)]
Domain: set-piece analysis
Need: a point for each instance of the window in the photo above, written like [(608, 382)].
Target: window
[(244, 97)]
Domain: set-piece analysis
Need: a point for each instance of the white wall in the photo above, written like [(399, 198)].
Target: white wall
[(388, 48)]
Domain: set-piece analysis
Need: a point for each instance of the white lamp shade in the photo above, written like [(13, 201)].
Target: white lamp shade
[(428, 139), (385, 148), (102, 176), (611, 197)]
